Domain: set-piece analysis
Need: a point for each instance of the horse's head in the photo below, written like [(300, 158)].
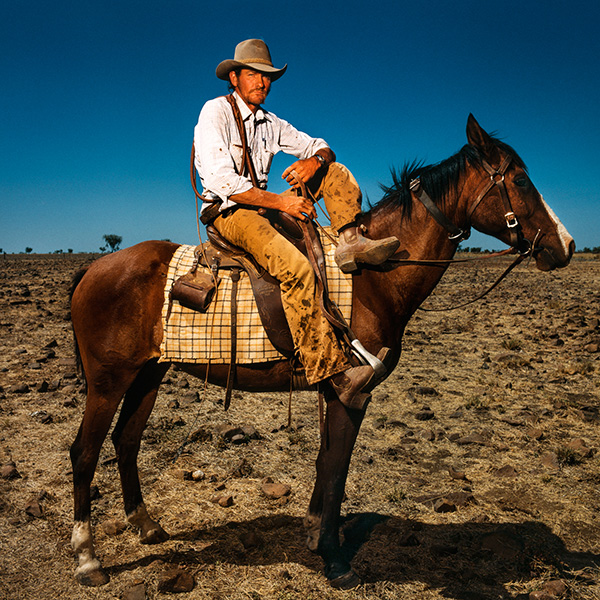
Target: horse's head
[(503, 202)]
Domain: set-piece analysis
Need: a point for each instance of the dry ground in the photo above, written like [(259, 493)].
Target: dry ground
[(504, 393)]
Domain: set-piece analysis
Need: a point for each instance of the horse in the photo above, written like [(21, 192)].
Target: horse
[(116, 317)]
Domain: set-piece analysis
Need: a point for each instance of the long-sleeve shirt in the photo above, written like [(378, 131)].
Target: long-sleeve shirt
[(218, 147)]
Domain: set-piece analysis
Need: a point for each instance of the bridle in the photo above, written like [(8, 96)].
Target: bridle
[(519, 244), (496, 179)]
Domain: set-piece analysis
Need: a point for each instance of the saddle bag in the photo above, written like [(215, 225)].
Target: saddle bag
[(195, 290)]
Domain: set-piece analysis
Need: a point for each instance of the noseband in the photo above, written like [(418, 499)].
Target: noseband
[(456, 234)]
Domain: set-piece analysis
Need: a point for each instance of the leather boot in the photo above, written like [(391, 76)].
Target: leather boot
[(355, 248), (349, 384)]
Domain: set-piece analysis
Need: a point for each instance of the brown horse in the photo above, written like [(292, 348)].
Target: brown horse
[(116, 313)]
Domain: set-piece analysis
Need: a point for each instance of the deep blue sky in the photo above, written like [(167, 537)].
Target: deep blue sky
[(98, 101)]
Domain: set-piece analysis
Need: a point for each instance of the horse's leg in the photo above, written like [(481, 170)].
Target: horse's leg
[(341, 428), (99, 412), (126, 437)]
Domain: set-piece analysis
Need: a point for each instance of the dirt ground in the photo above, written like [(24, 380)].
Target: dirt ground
[(475, 476)]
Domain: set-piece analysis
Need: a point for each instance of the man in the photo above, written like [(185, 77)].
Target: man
[(219, 162)]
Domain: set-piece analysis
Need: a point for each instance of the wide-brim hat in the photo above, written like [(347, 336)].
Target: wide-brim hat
[(250, 54)]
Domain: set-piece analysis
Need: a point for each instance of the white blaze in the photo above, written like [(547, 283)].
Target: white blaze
[(564, 236)]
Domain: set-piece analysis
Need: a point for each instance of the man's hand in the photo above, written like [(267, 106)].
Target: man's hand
[(298, 207), (305, 170)]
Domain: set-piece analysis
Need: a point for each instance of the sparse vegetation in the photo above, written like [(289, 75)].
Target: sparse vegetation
[(501, 435)]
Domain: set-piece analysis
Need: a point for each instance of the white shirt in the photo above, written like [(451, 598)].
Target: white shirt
[(218, 147)]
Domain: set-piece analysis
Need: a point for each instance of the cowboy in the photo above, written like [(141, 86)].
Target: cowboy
[(219, 152)]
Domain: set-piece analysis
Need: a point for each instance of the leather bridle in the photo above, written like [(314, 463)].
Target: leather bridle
[(456, 234)]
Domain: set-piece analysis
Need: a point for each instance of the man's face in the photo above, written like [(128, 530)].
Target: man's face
[(252, 86)]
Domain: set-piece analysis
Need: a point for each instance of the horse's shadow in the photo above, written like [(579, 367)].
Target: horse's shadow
[(462, 561)]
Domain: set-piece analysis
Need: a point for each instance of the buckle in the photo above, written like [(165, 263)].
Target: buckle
[(414, 184), (511, 220)]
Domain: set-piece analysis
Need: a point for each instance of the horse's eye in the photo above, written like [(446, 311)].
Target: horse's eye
[(522, 181)]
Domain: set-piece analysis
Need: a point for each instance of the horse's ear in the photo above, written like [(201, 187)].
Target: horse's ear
[(477, 136)]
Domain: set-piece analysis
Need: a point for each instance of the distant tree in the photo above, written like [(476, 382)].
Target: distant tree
[(70, 250), (58, 251), (103, 249), (112, 241), (28, 250)]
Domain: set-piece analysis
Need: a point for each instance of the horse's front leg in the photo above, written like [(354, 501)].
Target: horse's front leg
[(323, 518)]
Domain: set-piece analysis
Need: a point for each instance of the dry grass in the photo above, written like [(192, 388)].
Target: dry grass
[(508, 393)]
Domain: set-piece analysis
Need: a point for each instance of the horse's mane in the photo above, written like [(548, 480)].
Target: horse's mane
[(439, 180)]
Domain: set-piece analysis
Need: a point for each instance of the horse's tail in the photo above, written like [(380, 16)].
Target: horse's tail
[(74, 283)]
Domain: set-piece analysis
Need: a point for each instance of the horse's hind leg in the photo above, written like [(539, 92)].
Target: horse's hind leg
[(127, 435), (85, 450)]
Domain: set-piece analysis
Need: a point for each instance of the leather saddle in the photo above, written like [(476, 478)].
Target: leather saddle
[(219, 254)]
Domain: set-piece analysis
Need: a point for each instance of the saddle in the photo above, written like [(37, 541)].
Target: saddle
[(195, 290)]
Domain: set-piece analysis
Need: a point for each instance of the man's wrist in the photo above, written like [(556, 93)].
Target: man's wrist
[(321, 160)]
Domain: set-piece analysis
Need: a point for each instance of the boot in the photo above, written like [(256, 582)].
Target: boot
[(354, 248), (349, 384)]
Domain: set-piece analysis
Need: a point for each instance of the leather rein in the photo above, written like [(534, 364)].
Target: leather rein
[(519, 244)]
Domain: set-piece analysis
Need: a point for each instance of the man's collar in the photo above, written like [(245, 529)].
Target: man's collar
[(261, 113)]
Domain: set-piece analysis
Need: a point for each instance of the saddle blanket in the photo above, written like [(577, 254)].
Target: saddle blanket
[(193, 337)]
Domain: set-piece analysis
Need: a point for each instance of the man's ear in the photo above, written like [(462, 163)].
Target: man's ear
[(233, 78)]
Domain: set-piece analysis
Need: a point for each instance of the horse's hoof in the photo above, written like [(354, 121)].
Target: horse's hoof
[(154, 536), (347, 581), (93, 577)]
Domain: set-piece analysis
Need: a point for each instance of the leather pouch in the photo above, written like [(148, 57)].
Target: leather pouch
[(195, 290)]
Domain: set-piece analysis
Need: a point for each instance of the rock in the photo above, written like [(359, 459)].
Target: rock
[(580, 447), (43, 387), (275, 490), (9, 471), (35, 366), (506, 471), (42, 416), (550, 461), (535, 434), (113, 527), (200, 435), (556, 588), (136, 592), (34, 509), (227, 431), (425, 415), (250, 432), (592, 348), (422, 390), (251, 539), (443, 506), (176, 581), (457, 474), (473, 438), (198, 475), (18, 388), (224, 500), (238, 438)]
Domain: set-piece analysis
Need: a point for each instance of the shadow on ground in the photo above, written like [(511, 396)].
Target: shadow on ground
[(462, 561)]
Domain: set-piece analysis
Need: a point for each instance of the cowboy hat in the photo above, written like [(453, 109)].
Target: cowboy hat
[(250, 54)]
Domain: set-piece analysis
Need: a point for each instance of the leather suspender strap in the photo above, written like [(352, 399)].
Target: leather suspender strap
[(248, 166)]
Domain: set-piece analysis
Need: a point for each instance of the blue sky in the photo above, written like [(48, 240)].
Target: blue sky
[(99, 99)]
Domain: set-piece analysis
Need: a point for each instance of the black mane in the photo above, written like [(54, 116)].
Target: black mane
[(439, 180)]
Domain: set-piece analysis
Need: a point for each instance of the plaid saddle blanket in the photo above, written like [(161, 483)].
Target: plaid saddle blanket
[(193, 337)]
